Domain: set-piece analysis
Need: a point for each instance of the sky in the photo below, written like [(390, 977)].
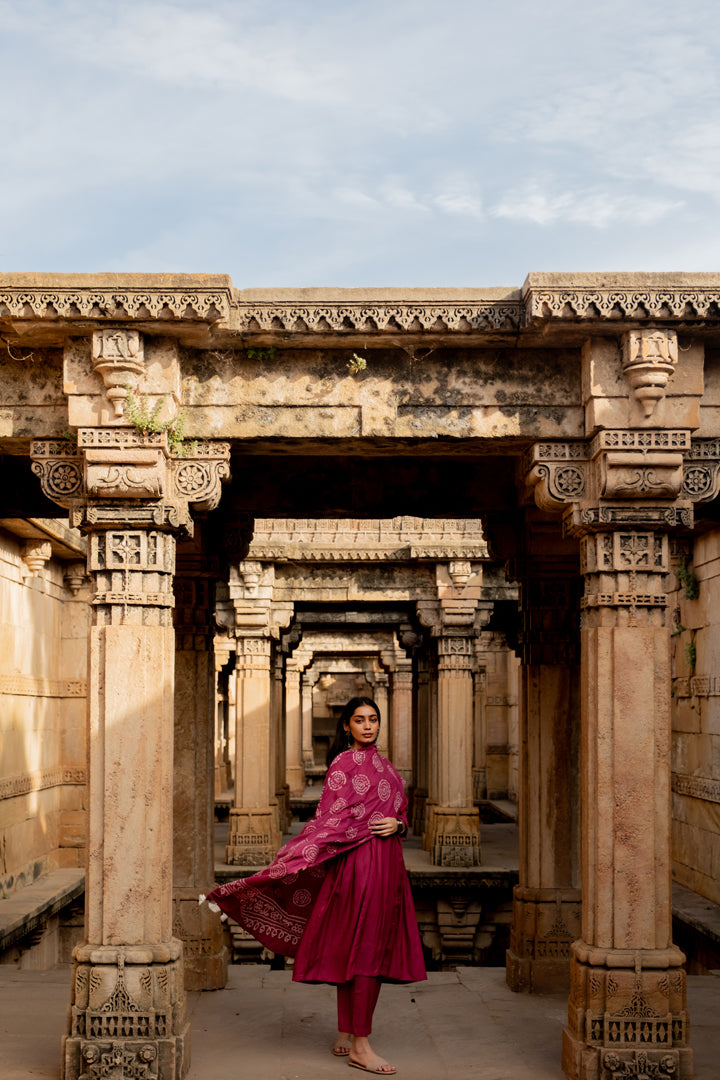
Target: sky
[(360, 142)]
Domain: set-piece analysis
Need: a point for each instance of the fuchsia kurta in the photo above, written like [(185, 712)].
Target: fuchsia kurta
[(336, 897)]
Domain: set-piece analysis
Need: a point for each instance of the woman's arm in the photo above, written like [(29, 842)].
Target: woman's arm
[(388, 826)]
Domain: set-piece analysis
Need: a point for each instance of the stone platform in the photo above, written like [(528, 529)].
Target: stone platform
[(459, 1025)]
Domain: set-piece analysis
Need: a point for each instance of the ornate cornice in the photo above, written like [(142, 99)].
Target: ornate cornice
[(328, 315), (157, 298), (665, 297), (115, 297)]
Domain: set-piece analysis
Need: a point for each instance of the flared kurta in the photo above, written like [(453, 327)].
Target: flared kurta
[(336, 897)]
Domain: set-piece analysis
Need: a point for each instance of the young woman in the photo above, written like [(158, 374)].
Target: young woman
[(337, 896)]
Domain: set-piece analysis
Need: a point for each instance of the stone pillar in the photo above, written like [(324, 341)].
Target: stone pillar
[(128, 1012), (628, 995), (622, 493), (546, 902), (479, 771), (402, 717), (223, 768), (307, 684), (421, 743), (294, 770), (282, 788), (254, 820), (382, 684), (454, 824), (200, 931), (249, 612)]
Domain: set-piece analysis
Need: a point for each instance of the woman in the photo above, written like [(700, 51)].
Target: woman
[(337, 897)]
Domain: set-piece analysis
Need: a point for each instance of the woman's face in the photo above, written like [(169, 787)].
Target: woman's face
[(363, 726)]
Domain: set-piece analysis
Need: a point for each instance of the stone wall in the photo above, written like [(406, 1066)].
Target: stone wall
[(43, 633), (695, 604)]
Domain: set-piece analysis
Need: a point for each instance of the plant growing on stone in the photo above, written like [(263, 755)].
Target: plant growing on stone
[(690, 584), (263, 355), (147, 421), (356, 364)]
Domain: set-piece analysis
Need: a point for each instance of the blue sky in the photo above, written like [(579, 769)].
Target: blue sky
[(360, 142)]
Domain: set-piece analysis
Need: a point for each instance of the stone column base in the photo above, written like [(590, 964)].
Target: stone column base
[(282, 796), (581, 1062), (545, 924), (254, 837), (627, 1015), (479, 782), (221, 780), (200, 930), (127, 1016), (454, 836), (418, 816), (296, 780)]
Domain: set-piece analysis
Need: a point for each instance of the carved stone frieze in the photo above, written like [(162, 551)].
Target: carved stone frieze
[(359, 315), (578, 296), (640, 1065), (208, 301), (624, 570), (132, 568), (696, 787), (22, 784), (367, 540)]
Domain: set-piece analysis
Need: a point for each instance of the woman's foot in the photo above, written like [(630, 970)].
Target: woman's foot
[(342, 1044), (362, 1056)]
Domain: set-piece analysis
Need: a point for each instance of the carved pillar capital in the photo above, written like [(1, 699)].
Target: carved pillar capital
[(456, 655), (619, 478), (119, 476)]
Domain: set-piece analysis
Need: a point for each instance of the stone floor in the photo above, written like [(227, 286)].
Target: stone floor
[(464, 1025)]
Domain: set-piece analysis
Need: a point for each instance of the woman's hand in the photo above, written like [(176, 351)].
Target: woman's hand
[(386, 826)]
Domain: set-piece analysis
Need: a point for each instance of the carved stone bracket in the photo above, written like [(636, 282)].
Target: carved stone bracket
[(35, 553), (118, 474), (622, 478), (118, 358), (556, 473), (649, 360)]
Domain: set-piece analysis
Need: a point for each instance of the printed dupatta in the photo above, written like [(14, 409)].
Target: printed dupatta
[(274, 905)]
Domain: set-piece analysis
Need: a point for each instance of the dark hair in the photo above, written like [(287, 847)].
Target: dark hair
[(340, 742)]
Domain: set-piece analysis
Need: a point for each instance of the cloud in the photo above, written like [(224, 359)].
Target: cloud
[(597, 208)]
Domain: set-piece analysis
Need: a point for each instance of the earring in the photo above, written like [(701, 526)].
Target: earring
[(348, 740)]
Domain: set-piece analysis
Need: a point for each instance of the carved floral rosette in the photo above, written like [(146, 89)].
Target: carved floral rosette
[(701, 471)]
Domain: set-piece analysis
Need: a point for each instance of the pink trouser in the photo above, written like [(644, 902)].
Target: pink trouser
[(356, 1001)]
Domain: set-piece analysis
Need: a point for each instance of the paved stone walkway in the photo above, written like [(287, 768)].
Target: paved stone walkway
[(460, 1025)]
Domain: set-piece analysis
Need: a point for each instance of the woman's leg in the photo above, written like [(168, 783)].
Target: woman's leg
[(365, 993), (344, 1011)]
